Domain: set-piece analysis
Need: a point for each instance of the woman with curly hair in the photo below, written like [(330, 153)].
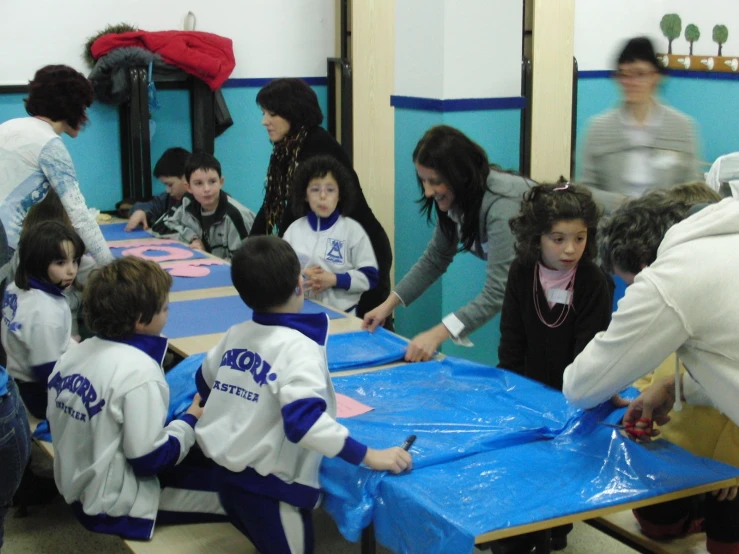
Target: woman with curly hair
[(472, 204), (34, 158), (292, 119)]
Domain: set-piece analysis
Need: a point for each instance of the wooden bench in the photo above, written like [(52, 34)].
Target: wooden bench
[(194, 538), (623, 527)]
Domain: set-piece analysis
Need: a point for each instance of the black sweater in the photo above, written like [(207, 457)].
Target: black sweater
[(529, 347), (319, 142)]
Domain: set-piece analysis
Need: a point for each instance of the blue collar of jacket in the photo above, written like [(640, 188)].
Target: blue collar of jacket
[(326, 222), (45, 286), (313, 326), (154, 347)]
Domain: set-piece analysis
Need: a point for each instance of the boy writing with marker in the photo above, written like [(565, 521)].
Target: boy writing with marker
[(270, 412), (208, 218), (170, 170)]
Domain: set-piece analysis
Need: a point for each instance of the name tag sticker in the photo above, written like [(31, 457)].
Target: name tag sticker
[(559, 296)]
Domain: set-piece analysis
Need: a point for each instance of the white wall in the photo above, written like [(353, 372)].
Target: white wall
[(419, 48), (272, 38), (602, 26), (449, 49)]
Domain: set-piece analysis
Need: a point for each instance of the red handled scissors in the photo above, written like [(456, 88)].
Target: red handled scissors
[(645, 430)]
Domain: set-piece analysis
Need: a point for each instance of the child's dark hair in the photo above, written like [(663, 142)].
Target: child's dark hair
[(61, 94), (172, 163), (40, 245), (546, 204), (201, 160), (122, 293), (696, 192), (293, 100), (315, 168), (463, 166), (49, 209), (265, 271)]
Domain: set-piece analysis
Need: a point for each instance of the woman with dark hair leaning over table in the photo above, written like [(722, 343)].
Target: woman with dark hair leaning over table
[(682, 271), (292, 119), (472, 203)]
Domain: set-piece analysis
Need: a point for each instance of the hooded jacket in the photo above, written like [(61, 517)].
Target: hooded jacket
[(686, 301)]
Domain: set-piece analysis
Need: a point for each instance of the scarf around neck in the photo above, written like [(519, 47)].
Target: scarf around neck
[(280, 173)]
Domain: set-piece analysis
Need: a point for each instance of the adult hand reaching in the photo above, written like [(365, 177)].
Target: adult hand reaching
[(374, 318), (424, 345), (654, 404)]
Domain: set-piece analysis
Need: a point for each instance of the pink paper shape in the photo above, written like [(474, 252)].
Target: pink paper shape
[(174, 253), (186, 270), (348, 407)]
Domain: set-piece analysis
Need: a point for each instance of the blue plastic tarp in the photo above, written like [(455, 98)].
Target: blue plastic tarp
[(493, 450), (364, 349)]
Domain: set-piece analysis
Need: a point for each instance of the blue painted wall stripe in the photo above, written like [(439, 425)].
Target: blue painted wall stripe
[(458, 104), (710, 75)]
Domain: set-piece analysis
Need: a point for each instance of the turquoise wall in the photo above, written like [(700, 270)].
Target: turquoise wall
[(498, 132), (709, 101), (243, 149)]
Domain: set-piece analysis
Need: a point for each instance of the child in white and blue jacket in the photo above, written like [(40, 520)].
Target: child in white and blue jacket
[(334, 251), (36, 324), (270, 413), (116, 462)]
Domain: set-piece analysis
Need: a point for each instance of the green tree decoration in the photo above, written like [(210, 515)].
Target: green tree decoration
[(692, 33), (671, 27), (720, 36)]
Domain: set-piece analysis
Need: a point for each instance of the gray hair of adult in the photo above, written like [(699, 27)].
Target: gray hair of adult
[(629, 238)]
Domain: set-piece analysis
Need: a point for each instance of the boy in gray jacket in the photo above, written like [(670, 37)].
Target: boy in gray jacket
[(208, 218)]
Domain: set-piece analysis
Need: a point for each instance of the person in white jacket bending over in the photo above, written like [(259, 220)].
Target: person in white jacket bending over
[(682, 271)]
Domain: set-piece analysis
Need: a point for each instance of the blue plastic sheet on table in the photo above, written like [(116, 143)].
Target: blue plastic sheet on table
[(181, 381), (493, 450), (364, 349), (456, 408), (219, 276), (205, 316), (441, 509), (116, 231)]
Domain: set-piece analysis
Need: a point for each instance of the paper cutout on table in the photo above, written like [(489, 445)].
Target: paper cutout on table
[(190, 268), (188, 271), (153, 253), (132, 243), (348, 407)]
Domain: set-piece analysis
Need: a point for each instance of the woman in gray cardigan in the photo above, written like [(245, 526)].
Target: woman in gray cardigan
[(473, 205), (643, 144)]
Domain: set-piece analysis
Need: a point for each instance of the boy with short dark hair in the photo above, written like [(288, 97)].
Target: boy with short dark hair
[(270, 415), (107, 408), (208, 218), (170, 170)]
